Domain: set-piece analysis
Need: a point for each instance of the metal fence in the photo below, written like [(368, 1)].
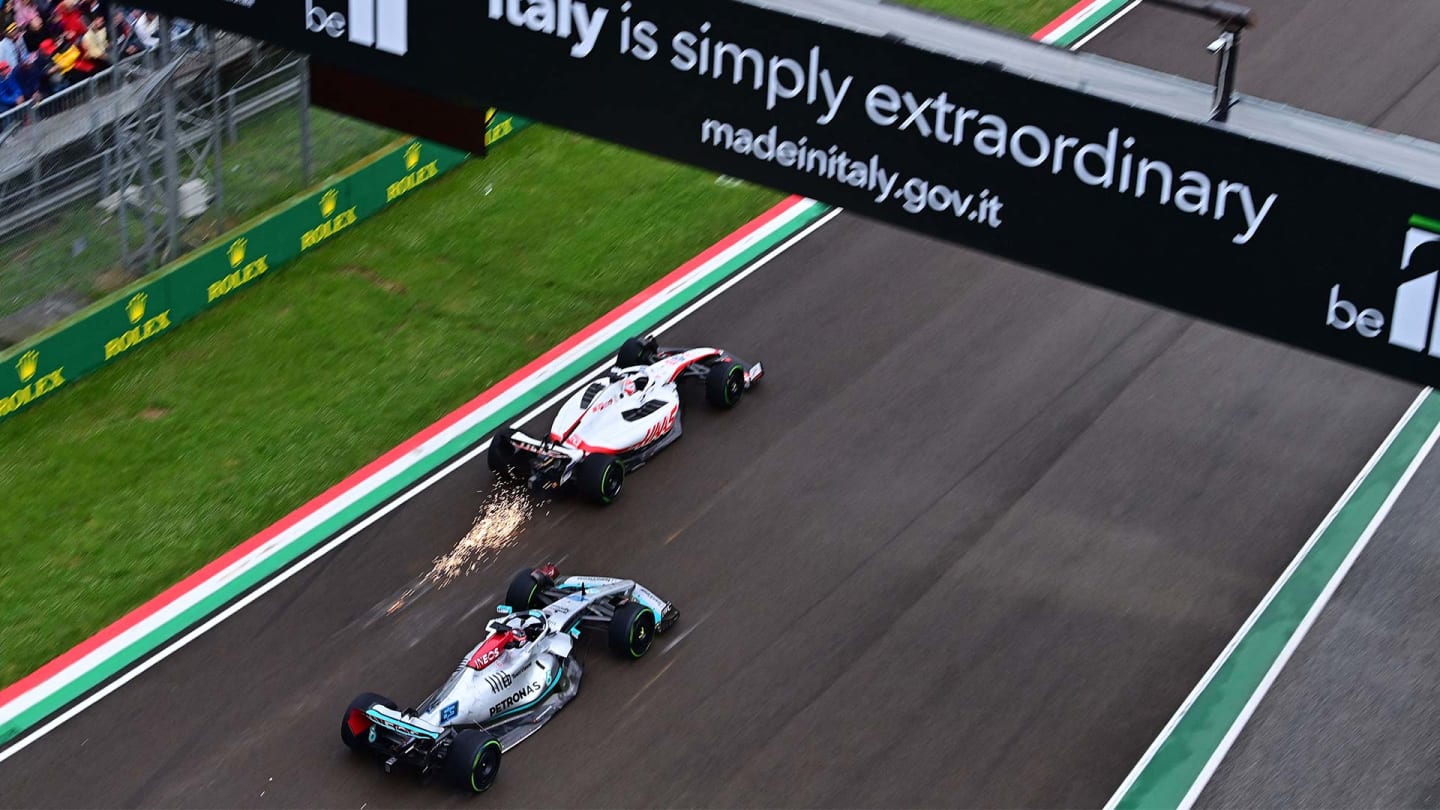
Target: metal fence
[(222, 125)]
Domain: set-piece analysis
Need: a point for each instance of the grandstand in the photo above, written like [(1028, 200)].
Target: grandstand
[(85, 127)]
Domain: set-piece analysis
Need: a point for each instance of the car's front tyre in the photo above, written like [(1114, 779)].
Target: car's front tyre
[(635, 351), (724, 384), (525, 590), (632, 631)]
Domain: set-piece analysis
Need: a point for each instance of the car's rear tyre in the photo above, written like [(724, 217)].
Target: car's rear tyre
[(473, 761), (725, 384), (503, 458), (635, 352), (355, 726), (632, 630), (600, 478), (525, 590)]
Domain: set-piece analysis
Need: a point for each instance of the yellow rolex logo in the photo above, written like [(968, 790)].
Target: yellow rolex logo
[(135, 310), (29, 363), (237, 252), (328, 202), (412, 156)]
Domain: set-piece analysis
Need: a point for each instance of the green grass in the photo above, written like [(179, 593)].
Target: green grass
[(1024, 16), (127, 481), (140, 474), (79, 249)]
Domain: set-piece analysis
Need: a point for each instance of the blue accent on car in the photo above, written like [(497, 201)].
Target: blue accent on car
[(506, 609), (392, 723), (575, 631), (448, 713)]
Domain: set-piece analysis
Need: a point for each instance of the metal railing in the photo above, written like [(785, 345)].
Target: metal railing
[(58, 151)]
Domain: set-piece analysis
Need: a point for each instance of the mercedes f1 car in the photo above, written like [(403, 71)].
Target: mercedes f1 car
[(618, 422), (512, 682)]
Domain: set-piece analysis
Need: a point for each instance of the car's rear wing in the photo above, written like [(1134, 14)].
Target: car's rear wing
[(530, 444), (393, 720)]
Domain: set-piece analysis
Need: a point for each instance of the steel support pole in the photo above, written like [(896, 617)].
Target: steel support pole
[(217, 118), (170, 150), (1233, 19), (307, 163), (1225, 76)]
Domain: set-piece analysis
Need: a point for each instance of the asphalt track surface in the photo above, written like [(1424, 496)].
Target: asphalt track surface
[(1352, 719), (975, 538)]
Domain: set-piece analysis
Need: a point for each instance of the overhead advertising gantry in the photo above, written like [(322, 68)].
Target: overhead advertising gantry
[(1307, 230)]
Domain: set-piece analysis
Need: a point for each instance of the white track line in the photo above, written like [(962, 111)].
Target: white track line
[(1270, 596), (536, 379), (275, 581), (1103, 27), (1305, 624)]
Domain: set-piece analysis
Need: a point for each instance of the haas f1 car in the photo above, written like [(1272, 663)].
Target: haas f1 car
[(618, 422), (512, 682)]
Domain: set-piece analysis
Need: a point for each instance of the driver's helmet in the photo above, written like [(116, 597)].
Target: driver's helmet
[(530, 625)]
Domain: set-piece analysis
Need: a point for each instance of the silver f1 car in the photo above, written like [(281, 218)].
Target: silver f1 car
[(512, 682), (618, 422)]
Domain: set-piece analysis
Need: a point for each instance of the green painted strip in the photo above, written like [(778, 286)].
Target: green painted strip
[(313, 539), (1090, 24), (1427, 223), (1182, 757)]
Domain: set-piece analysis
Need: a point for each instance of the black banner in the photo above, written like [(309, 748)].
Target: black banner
[(1306, 250)]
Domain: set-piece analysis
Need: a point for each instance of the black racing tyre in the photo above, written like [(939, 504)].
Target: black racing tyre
[(355, 726), (635, 352), (525, 589), (724, 384), (632, 629), (473, 761), (600, 478), (503, 457)]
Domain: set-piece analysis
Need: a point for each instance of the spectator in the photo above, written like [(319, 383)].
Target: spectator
[(147, 30), (25, 11), (37, 32), (126, 43), (11, 95), (64, 59), (69, 19), (33, 78), (12, 47), (95, 45)]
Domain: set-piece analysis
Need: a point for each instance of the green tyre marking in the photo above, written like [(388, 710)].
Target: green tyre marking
[(476, 764), (637, 624)]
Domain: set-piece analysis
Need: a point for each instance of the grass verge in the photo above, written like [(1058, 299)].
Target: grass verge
[(78, 251), (143, 473)]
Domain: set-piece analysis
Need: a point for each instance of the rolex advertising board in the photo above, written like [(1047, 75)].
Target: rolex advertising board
[(120, 325), (1185, 214)]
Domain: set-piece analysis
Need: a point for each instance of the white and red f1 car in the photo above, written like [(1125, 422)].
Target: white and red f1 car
[(618, 422), (512, 682)]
